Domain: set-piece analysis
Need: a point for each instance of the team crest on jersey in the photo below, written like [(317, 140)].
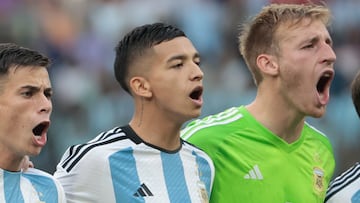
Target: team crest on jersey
[(318, 179), (203, 194)]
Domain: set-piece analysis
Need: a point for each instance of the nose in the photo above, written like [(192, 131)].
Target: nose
[(197, 73), (329, 54), (45, 105)]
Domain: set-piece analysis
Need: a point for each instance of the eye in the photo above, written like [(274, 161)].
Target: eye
[(329, 42), (309, 46), (27, 94), (48, 94), (178, 65)]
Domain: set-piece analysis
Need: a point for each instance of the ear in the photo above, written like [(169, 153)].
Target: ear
[(140, 86), (267, 64)]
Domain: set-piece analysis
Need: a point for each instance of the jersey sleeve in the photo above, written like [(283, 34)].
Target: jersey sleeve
[(346, 187), (86, 180)]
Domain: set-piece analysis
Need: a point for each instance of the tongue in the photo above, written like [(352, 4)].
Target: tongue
[(40, 140), (324, 97)]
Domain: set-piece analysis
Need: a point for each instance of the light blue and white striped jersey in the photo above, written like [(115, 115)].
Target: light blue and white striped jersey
[(118, 166), (346, 187), (31, 186)]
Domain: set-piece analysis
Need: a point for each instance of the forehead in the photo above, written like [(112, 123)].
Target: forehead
[(176, 46), (25, 75), (305, 28)]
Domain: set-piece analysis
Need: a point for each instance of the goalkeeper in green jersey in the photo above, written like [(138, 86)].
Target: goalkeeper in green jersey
[(346, 187), (265, 151)]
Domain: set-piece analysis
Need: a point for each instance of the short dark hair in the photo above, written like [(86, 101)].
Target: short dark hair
[(355, 92), (14, 55), (136, 42)]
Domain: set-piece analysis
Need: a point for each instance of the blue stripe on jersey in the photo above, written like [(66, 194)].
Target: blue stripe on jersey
[(175, 178), (204, 171), (356, 197), (125, 161), (12, 188), (45, 186)]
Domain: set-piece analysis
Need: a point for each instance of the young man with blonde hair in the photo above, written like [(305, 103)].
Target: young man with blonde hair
[(266, 151)]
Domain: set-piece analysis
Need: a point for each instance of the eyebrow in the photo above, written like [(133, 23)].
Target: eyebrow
[(35, 89), (316, 39), (181, 57)]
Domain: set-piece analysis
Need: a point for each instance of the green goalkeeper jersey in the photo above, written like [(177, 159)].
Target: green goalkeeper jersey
[(253, 165)]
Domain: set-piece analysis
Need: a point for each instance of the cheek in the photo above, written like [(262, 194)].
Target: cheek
[(14, 116), (164, 85), (292, 77), (10, 127)]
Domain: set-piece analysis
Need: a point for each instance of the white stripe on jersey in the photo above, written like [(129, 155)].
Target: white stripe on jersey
[(228, 116), (192, 175), (145, 175), (317, 130)]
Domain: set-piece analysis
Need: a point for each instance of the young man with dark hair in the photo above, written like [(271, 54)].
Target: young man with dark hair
[(25, 108), (146, 160)]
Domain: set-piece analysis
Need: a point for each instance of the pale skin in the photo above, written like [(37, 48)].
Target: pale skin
[(25, 102), (289, 92), (169, 73)]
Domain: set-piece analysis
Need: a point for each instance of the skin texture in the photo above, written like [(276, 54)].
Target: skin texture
[(25, 102), (290, 78), (162, 92)]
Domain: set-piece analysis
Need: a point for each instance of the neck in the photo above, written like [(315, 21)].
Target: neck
[(165, 137), (283, 121), (10, 162)]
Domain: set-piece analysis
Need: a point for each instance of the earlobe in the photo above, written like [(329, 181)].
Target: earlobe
[(140, 86), (267, 64)]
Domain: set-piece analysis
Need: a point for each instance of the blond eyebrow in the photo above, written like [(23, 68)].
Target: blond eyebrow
[(316, 39)]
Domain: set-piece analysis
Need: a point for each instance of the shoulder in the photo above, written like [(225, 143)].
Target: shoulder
[(39, 177), (99, 148), (314, 133), (199, 154), (212, 123), (37, 172), (344, 186), (193, 149), (47, 186)]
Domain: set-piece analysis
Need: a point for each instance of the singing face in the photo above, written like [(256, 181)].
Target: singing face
[(306, 62), (25, 108), (175, 79)]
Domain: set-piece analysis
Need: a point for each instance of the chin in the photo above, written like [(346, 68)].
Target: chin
[(318, 114), (197, 114), (35, 152)]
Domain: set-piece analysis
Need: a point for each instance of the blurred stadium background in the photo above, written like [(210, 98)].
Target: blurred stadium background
[(80, 36)]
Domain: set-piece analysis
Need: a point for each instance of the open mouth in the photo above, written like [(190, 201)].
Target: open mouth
[(196, 93), (41, 128), (324, 81)]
